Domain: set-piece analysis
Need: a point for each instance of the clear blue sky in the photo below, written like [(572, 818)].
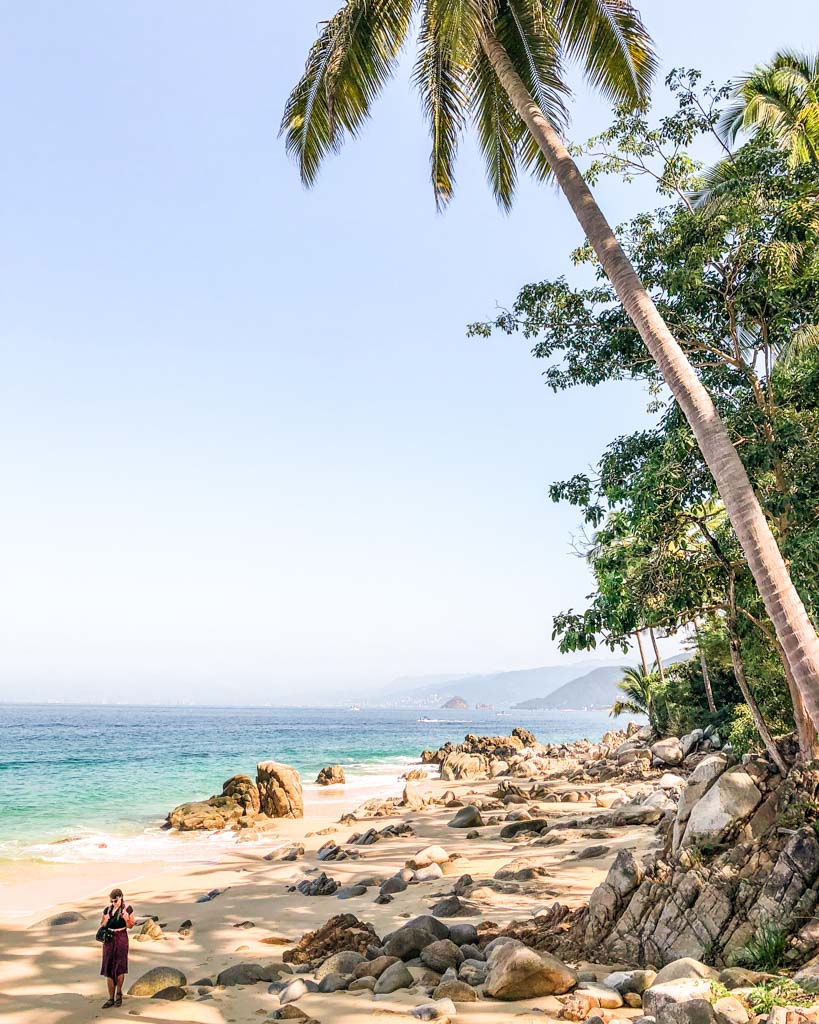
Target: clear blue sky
[(246, 449)]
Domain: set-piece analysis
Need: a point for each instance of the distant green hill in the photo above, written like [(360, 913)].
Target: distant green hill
[(595, 689)]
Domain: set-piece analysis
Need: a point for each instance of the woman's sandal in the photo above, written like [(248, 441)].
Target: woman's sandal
[(107, 1005), (118, 1000)]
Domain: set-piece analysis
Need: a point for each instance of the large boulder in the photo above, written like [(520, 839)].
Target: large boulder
[(699, 782), (396, 976), (658, 998), (280, 792), (157, 979), (669, 750), (733, 797), (516, 972), (460, 765), (242, 789), (332, 775), (467, 817)]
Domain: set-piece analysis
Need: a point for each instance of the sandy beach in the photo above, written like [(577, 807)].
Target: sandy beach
[(51, 973)]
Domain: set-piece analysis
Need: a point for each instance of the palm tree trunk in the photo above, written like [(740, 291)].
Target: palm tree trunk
[(658, 661), (748, 697), (782, 602), (642, 652), (706, 675)]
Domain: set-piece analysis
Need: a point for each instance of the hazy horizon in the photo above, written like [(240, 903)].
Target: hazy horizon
[(246, 444)]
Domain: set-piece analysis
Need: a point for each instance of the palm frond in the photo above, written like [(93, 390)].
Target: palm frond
[(446, 44), (498, 128), (781, 97), (609, 40), (348, 65), (532, 42)]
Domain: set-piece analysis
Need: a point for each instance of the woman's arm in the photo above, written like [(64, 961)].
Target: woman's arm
[(105, 917), (129, 917)]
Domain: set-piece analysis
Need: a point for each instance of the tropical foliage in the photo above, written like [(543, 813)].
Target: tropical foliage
[(739, 281)]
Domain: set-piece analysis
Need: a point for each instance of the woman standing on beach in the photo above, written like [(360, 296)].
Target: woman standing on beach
[(117, 918)]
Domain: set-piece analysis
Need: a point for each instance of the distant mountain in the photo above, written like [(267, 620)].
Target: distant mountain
[(595, 689), (495, 688)]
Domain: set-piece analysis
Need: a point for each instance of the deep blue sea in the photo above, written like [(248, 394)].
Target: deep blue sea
[(108, 773)]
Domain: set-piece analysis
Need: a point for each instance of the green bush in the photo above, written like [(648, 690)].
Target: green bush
[(765, 951), (780, 992)]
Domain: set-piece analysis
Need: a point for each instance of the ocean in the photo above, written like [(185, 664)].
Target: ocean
[(104, 777)]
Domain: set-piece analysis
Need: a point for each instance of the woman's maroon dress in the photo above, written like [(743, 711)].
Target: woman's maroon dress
[(115, 948)]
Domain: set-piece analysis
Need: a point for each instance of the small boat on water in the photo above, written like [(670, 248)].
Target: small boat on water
[(354, 707)]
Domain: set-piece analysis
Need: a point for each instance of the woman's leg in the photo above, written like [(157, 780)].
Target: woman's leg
[(120, 982), (110, 982)]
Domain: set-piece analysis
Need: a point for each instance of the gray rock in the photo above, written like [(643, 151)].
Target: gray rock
[(517, 972), (473, 972), (660, 995), (344, 962), (362, 984), (463, 934), (732, 797), (393, 885), (457, 991), (441, 955), (467, 817), (668, 751), (334, 983), (348, 892), (173, 993), (441, 1010), (396, 976), (694, 1011), (683, 968), (453, 906), (408, 942), (156, 979), (630, 981)]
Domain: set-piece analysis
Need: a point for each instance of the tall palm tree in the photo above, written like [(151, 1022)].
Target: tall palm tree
[(502, 63), (639, 689), (783, 97)]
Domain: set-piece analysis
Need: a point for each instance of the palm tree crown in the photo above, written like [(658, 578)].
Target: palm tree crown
[(358, 49), (783, 97), (639, 689)]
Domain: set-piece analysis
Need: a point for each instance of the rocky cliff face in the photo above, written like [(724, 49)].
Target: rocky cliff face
[(740, 853)]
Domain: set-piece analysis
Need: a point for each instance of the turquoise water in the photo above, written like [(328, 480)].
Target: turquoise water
[(95, 773)]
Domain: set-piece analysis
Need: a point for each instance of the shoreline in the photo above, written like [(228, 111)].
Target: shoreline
[(28, 877)]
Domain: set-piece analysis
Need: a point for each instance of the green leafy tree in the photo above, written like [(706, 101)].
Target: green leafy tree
[(739, 287), (501, 63)]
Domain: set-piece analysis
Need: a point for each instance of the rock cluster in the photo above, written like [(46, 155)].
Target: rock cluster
[(276, 793)]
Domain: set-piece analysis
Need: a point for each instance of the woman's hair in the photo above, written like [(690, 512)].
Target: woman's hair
[(116, 894)]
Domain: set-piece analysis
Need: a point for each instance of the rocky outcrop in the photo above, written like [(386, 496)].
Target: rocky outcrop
[(708, 901), (242, 789), (455, 704), (280, 792), (237, 806), (332, 775)]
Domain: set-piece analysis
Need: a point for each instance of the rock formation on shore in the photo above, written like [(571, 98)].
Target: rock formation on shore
[(277, 793), (332, 775)]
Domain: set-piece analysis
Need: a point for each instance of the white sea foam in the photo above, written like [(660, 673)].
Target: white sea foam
[(154, 844)]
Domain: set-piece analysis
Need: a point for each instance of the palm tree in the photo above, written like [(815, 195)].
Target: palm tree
[(501, 62), (639, 689), (781, 96)]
